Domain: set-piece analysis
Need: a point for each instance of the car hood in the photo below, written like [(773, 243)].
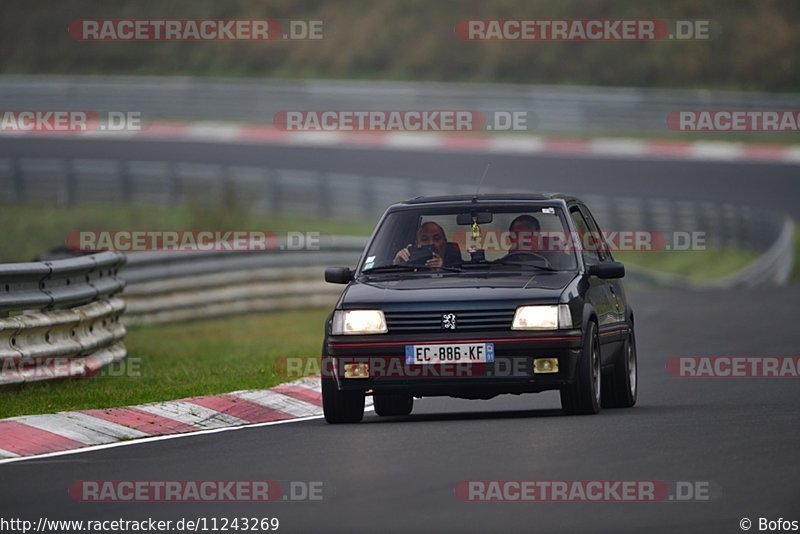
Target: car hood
[(464, 287)]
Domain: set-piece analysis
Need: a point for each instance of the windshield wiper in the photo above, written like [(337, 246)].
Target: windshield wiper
[(408, 268), (523, 264)]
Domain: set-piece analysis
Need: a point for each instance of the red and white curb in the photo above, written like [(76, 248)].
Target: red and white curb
[(221, 132), (33, 435)]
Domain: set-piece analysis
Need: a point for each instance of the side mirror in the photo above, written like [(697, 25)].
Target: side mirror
[(338, 275), (607, 269)]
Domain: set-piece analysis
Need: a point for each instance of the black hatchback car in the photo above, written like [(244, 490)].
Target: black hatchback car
[(479, 295)]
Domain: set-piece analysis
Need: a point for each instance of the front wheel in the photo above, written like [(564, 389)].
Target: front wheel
[(583, 397), (341, 406), (624, 386)]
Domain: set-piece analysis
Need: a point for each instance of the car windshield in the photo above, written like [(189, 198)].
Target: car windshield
[(469, 239)]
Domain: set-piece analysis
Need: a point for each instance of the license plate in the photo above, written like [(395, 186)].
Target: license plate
[(450, 353)]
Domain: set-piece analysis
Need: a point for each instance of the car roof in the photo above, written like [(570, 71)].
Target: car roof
[(486, 197)]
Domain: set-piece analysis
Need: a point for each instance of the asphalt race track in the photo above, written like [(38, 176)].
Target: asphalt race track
[(740, 435), (397, 474), (751, 184)]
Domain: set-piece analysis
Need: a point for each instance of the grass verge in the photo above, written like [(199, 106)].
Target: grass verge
[(183, 360), (698, 265), (31, 230)]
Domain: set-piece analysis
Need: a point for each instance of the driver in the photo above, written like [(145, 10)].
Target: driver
[(429, 233), (522, 233)]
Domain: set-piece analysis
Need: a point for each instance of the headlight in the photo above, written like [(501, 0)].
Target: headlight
[(352, 322), (542, 318)]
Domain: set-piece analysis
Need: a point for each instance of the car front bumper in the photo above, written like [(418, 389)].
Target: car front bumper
[(511, 372)]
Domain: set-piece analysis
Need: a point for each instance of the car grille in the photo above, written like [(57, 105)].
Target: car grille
[(466, 320)]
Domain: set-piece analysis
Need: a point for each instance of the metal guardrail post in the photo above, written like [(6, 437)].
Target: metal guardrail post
[(126, 182), (70, 183), (277, 191), (324, 194), (17, 179), (173, 187)]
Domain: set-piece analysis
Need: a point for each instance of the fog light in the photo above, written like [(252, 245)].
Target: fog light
[(356, 370), (545, 365)]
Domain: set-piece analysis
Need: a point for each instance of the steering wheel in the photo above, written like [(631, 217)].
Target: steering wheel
[(525, 256)]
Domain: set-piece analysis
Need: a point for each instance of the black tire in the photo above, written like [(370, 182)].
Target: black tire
[(393, 403), (583, 397), (623, 388), (341, 406)]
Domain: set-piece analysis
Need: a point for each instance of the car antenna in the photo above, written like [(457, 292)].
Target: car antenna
[(486, 170)]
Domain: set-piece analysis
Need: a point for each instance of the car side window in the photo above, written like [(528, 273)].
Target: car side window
[(602, 246), (590, 253)]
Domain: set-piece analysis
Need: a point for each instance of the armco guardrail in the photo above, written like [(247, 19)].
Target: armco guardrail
[(175, 286), (321, 195), (550, 108), (261, 189), (773, 268), (60, 318)]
